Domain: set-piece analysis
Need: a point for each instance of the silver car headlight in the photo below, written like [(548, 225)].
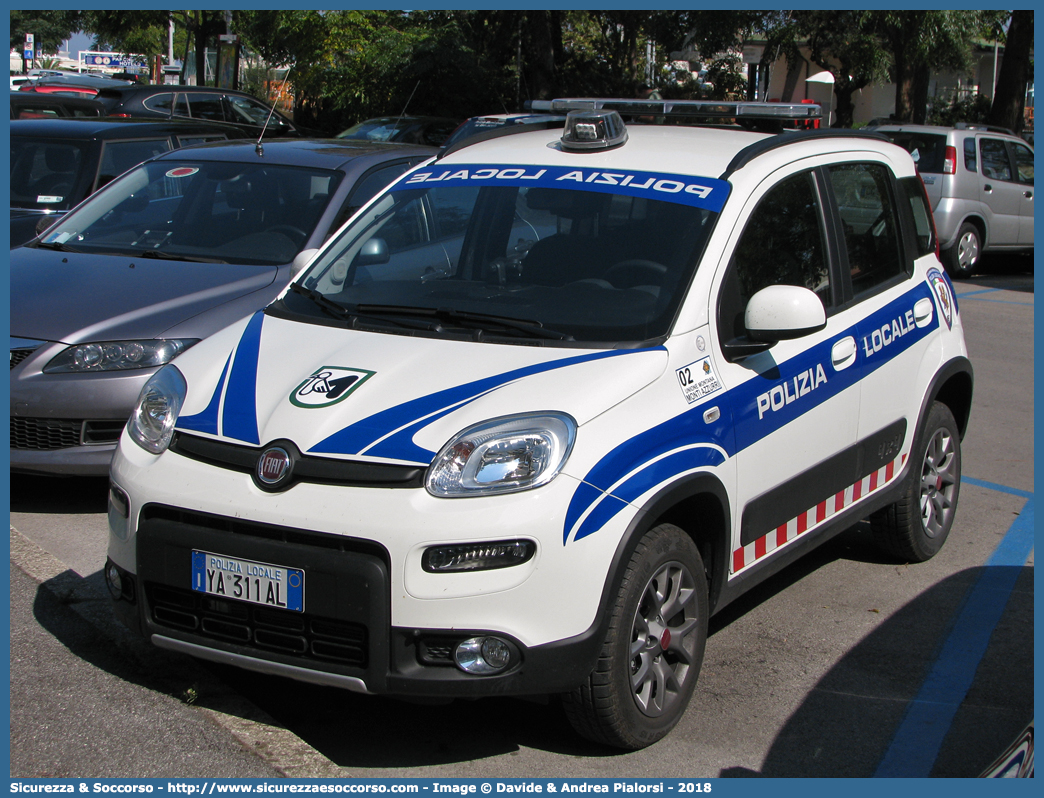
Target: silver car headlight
[(151, 425), (117, 355), (503, 455)]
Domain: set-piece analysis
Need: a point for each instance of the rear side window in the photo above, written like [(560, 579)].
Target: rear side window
[(207, 106), (870, 223), (119, 156), (971, 161)]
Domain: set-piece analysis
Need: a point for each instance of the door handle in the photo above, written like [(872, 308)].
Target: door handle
[(1027, 194), (923, 311), (843, 353), (987, 188)]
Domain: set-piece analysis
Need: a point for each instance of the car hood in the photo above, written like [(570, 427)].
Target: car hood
[(71, 298), (392, 398)]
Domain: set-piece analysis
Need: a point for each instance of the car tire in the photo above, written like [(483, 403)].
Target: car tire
[(649, 664), (962, 258), (915, 527)]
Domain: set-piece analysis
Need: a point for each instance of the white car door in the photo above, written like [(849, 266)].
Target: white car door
[(795, 406)]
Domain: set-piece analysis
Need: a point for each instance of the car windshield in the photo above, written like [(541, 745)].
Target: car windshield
[(201, 211), (376, 129), (44, 172), (537, 254)]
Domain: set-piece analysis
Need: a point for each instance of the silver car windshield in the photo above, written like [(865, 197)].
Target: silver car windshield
[(559, 263), (201, 211)]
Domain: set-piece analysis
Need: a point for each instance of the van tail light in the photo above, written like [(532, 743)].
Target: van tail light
[(127, 116), (950, 161)]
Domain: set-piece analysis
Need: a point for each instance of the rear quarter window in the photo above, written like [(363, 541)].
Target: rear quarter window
[(921, 213)]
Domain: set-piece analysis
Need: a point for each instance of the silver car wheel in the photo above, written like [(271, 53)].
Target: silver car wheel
[(664, 639), (938, 483), (968, 250)]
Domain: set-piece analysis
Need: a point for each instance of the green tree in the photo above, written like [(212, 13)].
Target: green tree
[(922, 41), (49, 29), (845, 44)]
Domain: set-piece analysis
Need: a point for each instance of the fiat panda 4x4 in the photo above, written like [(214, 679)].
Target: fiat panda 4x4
[(547, 403)]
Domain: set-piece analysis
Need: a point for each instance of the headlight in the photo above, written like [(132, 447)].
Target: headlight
[(151, 424), (117, 355), (503, 456)]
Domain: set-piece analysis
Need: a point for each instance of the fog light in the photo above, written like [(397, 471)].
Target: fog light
[(113, 580), (483, 655), (118, 501), (478, 556)]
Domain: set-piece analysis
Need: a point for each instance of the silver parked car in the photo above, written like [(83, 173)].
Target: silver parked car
[(174, 250), (979, 180)]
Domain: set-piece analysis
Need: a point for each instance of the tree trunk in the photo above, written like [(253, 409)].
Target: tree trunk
[(919, 94), (540, 58), (1010, 98), (903, 88)]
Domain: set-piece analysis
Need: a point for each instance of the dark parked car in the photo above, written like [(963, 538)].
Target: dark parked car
[(237, 108), (430, 130), (485, 125), (72, 85), (56, 163), (30, 105), (176, 249)]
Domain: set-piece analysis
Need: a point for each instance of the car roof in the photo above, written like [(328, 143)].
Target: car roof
[(718, 152), (32, 98), (94, 81), (115, 127), (123, 88), (320, 153)]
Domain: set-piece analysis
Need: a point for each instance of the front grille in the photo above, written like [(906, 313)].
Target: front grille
[(253, 529), (280, 631), (48, 434), (43, 434), (307, 468), (18, 355)]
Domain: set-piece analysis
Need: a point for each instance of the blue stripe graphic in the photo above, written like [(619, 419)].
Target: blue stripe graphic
[(708, 193), (403, 420), (799, 384), (239, 415), (920, 736), (207, 420)]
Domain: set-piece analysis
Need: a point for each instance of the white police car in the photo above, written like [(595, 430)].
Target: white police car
[(546, 404)]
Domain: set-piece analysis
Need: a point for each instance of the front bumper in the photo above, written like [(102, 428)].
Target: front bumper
[(343, 639)]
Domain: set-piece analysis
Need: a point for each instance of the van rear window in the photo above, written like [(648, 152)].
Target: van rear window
[(927, 149)]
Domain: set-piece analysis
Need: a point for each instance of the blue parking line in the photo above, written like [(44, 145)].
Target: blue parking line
[(976, 295), (928, 717)]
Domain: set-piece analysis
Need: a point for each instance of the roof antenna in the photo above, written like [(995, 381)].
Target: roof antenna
[(407, 104), (258, 148)]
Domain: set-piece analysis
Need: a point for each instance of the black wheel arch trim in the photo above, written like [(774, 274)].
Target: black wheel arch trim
[(953, 385)]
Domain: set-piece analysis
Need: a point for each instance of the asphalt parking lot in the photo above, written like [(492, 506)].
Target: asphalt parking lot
[(847, 664)]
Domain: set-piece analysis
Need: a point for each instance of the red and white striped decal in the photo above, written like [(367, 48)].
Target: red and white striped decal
[(746, 556)]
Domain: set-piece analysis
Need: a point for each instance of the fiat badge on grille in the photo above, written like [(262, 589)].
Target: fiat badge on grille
[(273, 466)]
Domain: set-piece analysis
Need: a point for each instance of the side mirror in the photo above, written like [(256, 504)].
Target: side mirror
[(302, 259), (776, 313), (783, 312), (372, 253)]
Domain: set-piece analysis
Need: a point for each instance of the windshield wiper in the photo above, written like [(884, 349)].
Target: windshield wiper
[(57, 246), (339, 311), (159, 255), (477, 321)]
